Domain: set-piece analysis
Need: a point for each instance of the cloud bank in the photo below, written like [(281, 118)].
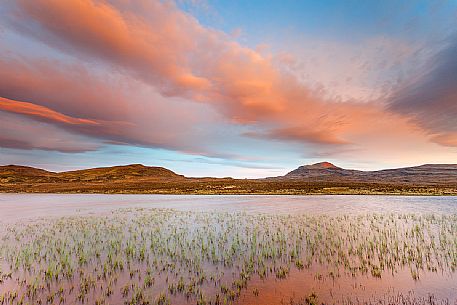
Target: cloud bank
[(146, 73), (431, 98)]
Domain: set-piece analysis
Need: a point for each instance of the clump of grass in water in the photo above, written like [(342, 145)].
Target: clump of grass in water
[(154, 255)]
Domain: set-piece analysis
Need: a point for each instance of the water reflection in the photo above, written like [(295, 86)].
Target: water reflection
[(265, 249), (20, 206)]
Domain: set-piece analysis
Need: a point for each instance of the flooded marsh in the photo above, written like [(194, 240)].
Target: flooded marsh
[(155, 255)]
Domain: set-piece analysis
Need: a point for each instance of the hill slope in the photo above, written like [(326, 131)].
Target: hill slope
[(319, 178), (135, 172), (429, 174), (20, 174), (123, 172)]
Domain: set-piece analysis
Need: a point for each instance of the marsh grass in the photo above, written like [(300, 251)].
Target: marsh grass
[(158, 256), (391, 299)]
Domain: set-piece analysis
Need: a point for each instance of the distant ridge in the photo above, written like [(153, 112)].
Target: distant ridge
[(121, 172), (17, 173), (15, 170), (423, 174), (318, 178)]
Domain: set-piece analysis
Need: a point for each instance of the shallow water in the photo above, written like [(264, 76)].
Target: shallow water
[(14, 207), (20, 209)]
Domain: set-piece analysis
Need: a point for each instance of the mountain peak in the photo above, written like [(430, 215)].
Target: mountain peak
[(321, 168), (321, 165)]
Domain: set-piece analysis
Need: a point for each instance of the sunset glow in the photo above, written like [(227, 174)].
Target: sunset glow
[(227, 88)]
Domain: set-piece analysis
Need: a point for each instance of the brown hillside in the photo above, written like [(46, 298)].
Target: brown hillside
[(320, 178)]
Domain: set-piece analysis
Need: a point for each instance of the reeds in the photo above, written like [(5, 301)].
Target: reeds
[(151, 256)]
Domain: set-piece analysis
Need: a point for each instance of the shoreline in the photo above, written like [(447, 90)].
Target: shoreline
[(279, 194)]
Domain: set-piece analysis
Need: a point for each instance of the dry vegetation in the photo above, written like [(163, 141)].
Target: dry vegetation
[(156, 180)]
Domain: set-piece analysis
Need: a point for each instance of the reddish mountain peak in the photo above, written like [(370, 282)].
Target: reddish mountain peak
[(321, 165), (316, 169)]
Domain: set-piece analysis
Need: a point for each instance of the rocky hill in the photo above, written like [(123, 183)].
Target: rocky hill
[(319, 178), (24, 174), (125, 172), (431, 174)]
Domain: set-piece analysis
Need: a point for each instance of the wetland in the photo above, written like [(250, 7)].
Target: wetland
[(157, 249)]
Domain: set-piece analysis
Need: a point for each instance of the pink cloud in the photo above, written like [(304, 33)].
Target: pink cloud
[(33, 110), (22, 132), (154, 49), (155, 43), (169, 49), (446, 139), (67, 88), (108, 107)]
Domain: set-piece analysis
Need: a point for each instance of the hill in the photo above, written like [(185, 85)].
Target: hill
[(429, 174), (123, 172), (319, 178), (11, 174)]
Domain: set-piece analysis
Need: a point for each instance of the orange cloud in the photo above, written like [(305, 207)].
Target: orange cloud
[(65, 88), (23, 132), (299, 134), (154, 49), (169, 49), (112, 109), (446, 139), (156, 43), (33, 110)]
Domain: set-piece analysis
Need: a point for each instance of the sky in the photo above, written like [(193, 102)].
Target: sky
[(228, 88)]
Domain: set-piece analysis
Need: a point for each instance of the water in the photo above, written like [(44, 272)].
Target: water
[(20, 209), (14, 207)]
